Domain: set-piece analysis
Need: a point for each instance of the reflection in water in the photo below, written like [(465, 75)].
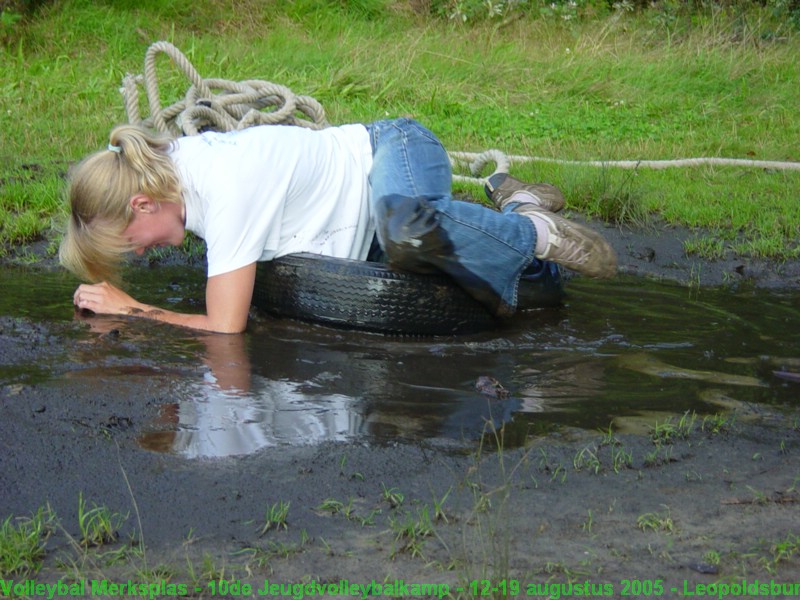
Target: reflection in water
[(219, 423), (233, 412), (621, 353)]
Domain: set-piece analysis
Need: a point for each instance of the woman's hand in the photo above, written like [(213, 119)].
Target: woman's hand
[(106, 299), (227, 303)]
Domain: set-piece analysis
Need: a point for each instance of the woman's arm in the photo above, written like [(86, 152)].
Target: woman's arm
[(228, 298)]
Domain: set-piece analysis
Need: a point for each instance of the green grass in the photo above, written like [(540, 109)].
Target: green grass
[(658, 522), (275, 517), (22, 543), (99, 525), (641, 85)]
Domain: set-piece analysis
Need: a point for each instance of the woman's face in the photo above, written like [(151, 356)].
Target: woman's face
[(154, 224)]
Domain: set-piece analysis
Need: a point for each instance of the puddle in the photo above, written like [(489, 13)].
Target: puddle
[(629, 350)]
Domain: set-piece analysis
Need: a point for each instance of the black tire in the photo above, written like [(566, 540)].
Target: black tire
[(372, 297)]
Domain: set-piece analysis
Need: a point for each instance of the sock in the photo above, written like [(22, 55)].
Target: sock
[(542, 235), (524, 196)]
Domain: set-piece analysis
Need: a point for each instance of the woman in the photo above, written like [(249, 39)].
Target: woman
[(354, 191)]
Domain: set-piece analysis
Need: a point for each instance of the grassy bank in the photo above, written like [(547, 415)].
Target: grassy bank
[(581, 85)]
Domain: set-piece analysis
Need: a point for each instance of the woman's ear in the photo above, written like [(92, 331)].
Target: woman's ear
[(140, 203)]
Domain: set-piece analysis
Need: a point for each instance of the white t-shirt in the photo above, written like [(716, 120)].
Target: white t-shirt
[(273, 190)]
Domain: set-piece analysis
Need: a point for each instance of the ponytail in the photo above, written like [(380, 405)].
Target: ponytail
[(100, 188)]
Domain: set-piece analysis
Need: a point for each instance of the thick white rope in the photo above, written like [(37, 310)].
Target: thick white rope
[(215, 104), (636, 164), (221, 105)]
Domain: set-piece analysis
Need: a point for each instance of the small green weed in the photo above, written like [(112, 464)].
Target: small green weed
[(98, 525), (658, 522), (331, 505), (712, 557), (717, 423), (22, 542), (660, 455), (438, 506), (668, 431), (354, 475), (334, 507), (621, 458), (276, 517), (786, 549), (392, 496), (155, 575), (608, 438), (559, 474), (367, 520), (261, 557), (410, 531), (211, 571), (707, 247), (587, 458), (591, 457), (588, 523)]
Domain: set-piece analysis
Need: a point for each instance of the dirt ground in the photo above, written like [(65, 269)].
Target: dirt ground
[(658, 252), (714, 511)]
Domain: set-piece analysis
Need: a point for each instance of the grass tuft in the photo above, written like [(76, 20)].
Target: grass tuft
[(98, 525), (22, 542)]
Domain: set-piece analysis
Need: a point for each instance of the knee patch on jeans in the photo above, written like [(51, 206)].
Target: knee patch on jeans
[(408, 231)]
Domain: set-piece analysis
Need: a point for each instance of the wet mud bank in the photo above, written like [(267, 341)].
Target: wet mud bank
[(696, 500), (406, 470), (704, 500), (657, 252)]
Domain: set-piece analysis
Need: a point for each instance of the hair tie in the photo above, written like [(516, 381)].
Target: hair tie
[(114, 148)]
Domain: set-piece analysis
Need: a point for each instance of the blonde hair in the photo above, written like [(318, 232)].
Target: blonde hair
[(100, 190)]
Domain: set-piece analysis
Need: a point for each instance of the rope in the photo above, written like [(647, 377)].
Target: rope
[(221, 105), (215, 104), (636, 164)]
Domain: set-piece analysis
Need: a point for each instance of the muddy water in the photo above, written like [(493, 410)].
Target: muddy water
[(623, 354)]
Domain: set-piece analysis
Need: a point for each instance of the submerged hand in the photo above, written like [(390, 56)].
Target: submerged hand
[(104, 298), (228, 298)]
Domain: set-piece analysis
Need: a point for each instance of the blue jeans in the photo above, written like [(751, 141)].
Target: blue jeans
[(419, 226)]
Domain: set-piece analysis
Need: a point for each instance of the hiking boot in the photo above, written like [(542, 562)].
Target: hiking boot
[(572, 245), (501, 186)]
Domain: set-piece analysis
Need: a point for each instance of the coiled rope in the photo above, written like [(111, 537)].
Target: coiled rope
[(222, 105), (236, 105)]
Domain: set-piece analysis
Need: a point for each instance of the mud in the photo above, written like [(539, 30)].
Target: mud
[(718, 504), (711, 502)]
